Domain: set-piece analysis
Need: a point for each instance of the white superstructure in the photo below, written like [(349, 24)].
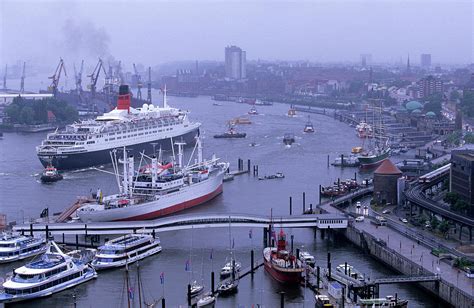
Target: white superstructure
[(15, 247)]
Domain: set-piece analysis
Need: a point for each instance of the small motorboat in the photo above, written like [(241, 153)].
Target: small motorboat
[(227, 288), (226, 271), (208, 300), (289, 139), (216, 104), (277, 175), (253, 111), (228, 177), (50, 174), (291, 111), (196, 288), (308, 128), (231, 133)]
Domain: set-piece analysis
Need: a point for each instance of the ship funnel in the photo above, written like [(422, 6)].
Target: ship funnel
[(124, 98)]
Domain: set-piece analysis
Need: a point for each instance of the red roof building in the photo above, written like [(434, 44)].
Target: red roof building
[(386, 183)]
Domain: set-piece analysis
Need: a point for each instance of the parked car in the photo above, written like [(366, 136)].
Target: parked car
[(360, 219), (386, 212), (404, 220)]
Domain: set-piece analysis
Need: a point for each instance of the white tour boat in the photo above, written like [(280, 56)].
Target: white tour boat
[(15, 247)]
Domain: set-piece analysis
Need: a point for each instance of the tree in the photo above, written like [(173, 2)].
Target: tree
[(467, 103), (454, 95), (444, 227), (469, 138), (434, 222), (460, 206), (434, 103), (451, 197), (27, 115)]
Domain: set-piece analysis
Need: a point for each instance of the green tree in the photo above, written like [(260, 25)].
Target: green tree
[(467, 103), (27, 115), (433, 103), (444, 226), (13, 111), (460, 206), (454, 95), (434, 222), (469, 138), (451, 197)]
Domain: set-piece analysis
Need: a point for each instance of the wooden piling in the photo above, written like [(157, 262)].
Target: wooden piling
[(189, 295), (213, 287), (163, 303), (304, 202), (282, 299), (252, 263), (31, 229), (291, 206), (248, 165)]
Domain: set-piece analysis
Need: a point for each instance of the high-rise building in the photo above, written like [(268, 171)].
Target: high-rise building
[(462, 174), (365, 59), (235, 63), (430, 85), (425, 60)]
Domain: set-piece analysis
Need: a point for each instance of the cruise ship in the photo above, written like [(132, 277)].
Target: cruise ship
[(125, 250), (88, 143), (14, 247), (53, 272), (159, 188)]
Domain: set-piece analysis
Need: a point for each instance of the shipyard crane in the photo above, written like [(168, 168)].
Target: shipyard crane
[(148, 97), (95, 76), (5, 78), (119, 73), (139, 82), (22, 80), (57, 76), (78, 77)]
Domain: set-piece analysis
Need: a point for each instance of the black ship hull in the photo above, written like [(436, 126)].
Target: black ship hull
[(96, 158)]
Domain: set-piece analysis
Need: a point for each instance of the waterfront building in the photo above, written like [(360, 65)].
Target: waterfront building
[(462, 174), (235, 63), (386, 182), (425, 60)]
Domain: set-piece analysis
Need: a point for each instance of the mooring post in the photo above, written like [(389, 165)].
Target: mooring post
[(304, 202), (342, 160), (328, 160), (63, 238), (163, 303), (297, 253), (320, 189), (291, 206), (345, 268), (77, 241), (47, 232), (265, 236), (257, 170), (282, 299), (31, 229), (189, 295), (248, 165), (252, 263), (212, 282), (311, 208), (317, 276)]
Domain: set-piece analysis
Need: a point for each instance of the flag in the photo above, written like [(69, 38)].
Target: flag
[(250, 233), (130, 292), (187, 266), (210, 256), (162, 277), (233, 243)]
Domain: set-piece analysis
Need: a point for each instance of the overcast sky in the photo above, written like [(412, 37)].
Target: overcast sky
[(153, 32)]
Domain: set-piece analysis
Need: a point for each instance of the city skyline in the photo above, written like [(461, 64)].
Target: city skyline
[(314, 31)]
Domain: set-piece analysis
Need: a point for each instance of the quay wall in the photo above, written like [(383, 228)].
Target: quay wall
[(378, 249)]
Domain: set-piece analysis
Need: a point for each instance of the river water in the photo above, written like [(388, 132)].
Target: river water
[(304, 164)]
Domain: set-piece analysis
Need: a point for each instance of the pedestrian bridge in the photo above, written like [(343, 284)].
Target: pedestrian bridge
[(189, 221)]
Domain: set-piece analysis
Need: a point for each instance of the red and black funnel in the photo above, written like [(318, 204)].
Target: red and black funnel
[(124, 98)]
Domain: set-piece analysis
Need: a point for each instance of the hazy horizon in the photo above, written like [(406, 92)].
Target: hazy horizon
[(157, 32)]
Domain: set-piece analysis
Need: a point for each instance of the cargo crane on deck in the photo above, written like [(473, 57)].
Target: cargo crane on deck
[(95, 76), (138, 78), (22, 80), (78, 77), (148, 97), (57, 75)]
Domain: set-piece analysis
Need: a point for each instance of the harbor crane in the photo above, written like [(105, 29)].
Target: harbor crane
[(57, 75), (22, 80), (95, 76), (148, 97), (78, 77), (5, 78), (138, 79)]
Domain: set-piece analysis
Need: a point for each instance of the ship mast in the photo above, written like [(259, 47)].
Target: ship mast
[(165, 99)]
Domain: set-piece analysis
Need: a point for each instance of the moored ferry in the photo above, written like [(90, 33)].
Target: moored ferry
[(15, 247), (89, 142), (125, 250), (53, 272)]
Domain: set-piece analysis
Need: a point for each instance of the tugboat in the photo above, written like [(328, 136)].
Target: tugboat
[(288, 139), (308, 128), (281, 264), (253, 111), (231, 133), (50, 174), (291, 111)]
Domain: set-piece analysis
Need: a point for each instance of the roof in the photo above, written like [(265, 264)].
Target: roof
[(387, 168), (430, 114), (412, 105)]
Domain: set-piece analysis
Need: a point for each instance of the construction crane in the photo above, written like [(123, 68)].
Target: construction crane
[(95, 76), (22, 80), (78, 77), (57, 75), (148, 96), (5, 78), (139, 82)]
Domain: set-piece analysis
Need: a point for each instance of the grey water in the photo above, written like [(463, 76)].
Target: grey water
[(304, 164)]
